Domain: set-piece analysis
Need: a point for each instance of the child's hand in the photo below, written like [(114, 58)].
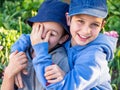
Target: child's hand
[(36, 34), (53, 74), (18, 61), (112, 33)]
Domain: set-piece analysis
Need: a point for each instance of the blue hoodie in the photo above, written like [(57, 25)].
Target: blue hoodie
[(88, 64), (30, 81)]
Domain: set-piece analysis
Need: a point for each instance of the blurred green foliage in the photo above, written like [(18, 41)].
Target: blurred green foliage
[(113, 19), (13, 17), (7, 38), (12, 10)]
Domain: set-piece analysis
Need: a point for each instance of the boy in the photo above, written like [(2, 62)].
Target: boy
[(88, 51), (52, 20)]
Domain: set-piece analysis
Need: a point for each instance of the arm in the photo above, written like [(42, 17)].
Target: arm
[(22, 43), (8, 81), (41, 50)]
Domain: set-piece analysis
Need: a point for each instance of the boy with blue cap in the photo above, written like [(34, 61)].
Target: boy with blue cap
[(49, 24), (88, 50)]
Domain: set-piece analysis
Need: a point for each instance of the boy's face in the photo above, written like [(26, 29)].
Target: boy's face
[(84, 28), (56, 36)]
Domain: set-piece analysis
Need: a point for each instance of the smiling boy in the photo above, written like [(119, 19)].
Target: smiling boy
[(88, 50)]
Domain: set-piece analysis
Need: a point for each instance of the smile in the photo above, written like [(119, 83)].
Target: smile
[(83, 38)]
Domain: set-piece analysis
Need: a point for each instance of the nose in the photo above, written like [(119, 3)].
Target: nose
[(86, 30)]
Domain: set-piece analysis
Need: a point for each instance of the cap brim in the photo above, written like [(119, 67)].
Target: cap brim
[(88, 11)]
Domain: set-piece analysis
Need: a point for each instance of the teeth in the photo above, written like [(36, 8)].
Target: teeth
[(83, 36)]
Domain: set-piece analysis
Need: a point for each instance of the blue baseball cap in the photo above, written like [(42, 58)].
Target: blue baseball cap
[(97, 8), (52, 11)]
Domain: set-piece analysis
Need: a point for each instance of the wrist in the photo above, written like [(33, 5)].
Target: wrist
[(8, 74)]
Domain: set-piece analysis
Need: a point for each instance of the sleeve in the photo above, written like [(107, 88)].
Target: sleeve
[(84, 75), (41, 60), (22, 44)]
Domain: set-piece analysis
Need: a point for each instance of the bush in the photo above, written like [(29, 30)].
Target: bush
[(7, 38), (15, 10)]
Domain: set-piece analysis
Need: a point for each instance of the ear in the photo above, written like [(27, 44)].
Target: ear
[(63, 39), (103, 24), (68, 18)]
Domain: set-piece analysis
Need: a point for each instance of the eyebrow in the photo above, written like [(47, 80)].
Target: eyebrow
[(97, 22), (85, 19), (92, 22), (81, 18)]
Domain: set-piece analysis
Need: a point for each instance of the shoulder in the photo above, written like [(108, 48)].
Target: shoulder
[(105, 39), (60, 51)]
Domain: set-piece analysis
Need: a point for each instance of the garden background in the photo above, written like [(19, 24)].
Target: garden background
[(13, 16)]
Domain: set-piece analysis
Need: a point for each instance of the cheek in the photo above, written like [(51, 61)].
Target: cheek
[(95, 32), (53, 41), (75, 27), (73, 30)]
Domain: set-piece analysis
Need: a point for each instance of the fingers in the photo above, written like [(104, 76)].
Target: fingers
[(55, 80), (18, 80), (22, 60), (40, 31), (112, 33), (21, 57), (48, 68), (17, 62), (53, 74), (47, 36), (12, 54), (35, 27), (23, 66), (17, 54), (24, 71), (49, 73), (53, 77), (36, 34)]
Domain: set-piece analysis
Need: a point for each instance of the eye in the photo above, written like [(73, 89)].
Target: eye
[(95, 25), (81, 21), (53, 33)]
